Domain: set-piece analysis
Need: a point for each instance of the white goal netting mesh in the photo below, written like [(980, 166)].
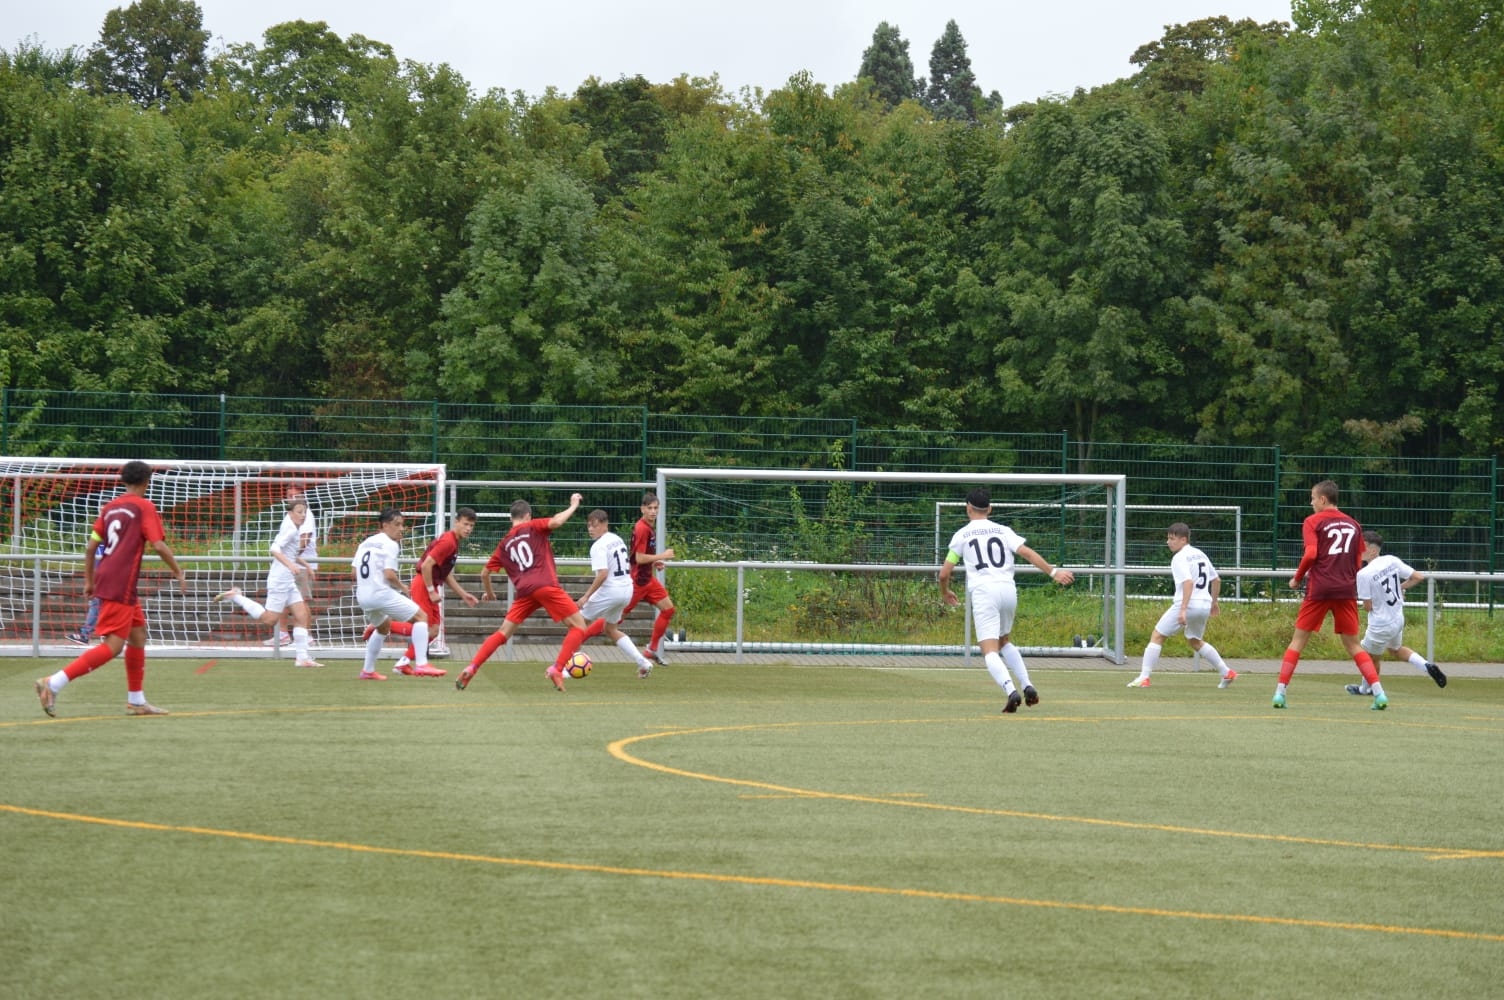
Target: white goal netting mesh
[(220, 519)]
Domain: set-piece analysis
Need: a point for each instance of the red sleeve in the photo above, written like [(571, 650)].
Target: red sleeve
[(494, 563), (445, 546), (1308, 557), (640, 535)]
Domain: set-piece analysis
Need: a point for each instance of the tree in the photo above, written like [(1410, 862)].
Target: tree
[(305, 78), (953, 92), (153, 51), (887, 64)]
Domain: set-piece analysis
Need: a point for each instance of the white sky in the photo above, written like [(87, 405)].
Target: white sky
[(1024, 50)]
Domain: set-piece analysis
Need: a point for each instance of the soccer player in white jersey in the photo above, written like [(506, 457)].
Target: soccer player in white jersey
[(1197, 587), (379, 592), (289, 564), (611, 589), (986, 549), (1381, 590)]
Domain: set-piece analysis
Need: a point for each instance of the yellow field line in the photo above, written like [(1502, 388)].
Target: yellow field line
[(617, 749), (751, 880)]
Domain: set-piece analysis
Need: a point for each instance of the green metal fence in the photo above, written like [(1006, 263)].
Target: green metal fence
[(1245, 503)]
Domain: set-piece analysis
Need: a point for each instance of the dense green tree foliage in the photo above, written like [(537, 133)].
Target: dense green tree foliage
[(1267, 235), (887, 65), (153, 51)]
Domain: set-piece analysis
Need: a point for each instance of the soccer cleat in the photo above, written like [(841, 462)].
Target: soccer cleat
[(655, 656), (1356, 689), (365, 635), (463, 680), (644, 671), (46, 696), (1232, 675), (428, 670), (228, 595), (405, 669), (279, 639), (1139, 682), (306, 661), (1031, 697), (147, 708), (1014, 700), (1279, 700), (1380, 702), (403, 661), (371, 675), (1436, 675), (79, 639), (556, 675)]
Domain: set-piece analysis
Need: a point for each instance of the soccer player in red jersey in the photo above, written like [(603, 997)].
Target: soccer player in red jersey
[(527, 555), (435, 569), (112, 566), (1329, 567), (646, 562)]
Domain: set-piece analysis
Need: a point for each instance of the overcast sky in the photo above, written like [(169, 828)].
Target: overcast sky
[(1022, 50)]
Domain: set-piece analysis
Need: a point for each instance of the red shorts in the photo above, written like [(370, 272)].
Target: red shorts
[(554, 600), (419, 593), (652, 592), (1344, 614), (117, 618)]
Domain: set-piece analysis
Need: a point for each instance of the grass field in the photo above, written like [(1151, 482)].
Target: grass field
[(748, 831)]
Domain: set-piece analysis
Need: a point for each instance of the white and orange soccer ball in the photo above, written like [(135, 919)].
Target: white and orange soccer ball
[(578, 666)]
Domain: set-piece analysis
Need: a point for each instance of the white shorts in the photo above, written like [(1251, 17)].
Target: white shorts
[(607, 603), (282, 592), (1379, 639), (992, 609), (387, 604), (1196, 618)]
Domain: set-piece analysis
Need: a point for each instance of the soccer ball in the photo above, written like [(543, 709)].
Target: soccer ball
[(578, 666)]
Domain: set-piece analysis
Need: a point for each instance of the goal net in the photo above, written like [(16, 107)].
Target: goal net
[(220, 519), (845, 562)]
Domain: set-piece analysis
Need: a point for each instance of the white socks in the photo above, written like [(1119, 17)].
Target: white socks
[(998, 671), (420, 643), (1151, 657), (626, 645), (1015, 661), (300, 642), (373, 649), (249, 606)]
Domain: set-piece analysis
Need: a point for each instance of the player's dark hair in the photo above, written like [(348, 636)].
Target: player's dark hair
[(648, 498), (1374, 538), (598, 515), (1326, 488), (390, 514), (979, 498), (521, 510), (465, 514), (295, 503), (135, 472), (1179, 529)]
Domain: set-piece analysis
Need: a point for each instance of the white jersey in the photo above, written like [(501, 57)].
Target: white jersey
[(1190, 563), (308, 541), (372, 559), (292, 540), (985, 548), (1379, 582), (609, 553)]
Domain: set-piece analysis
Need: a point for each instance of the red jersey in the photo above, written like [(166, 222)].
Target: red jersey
[(528, 556), (445, 551), (124, 525), (645, 540), (1333, 555)]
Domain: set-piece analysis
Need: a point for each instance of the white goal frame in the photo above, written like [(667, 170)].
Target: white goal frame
[(47, 532), (1113, 557)]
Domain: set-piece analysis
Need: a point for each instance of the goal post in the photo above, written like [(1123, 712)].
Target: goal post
[(220, 519), (840, 538)]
